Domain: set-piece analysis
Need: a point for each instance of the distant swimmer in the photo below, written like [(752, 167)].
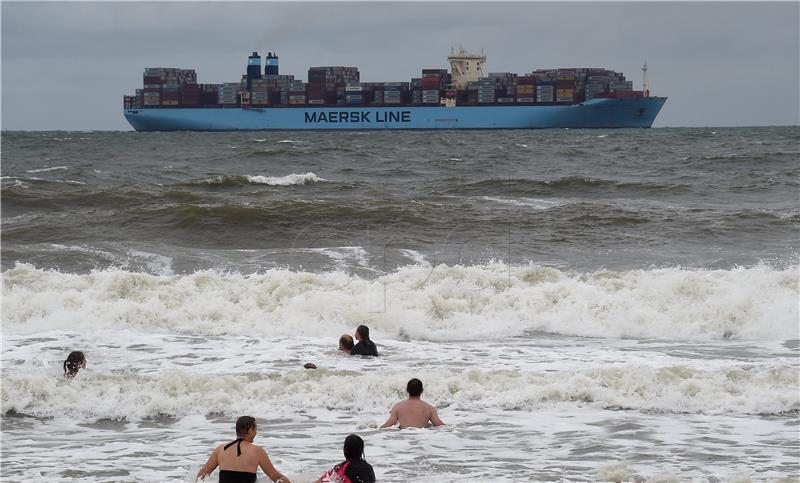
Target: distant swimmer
[(239, 460), (365, 346), (346, 344), (413, 412), (354, 468), (75, 361)]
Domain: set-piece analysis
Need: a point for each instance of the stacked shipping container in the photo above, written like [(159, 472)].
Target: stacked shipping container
[(337, 85)]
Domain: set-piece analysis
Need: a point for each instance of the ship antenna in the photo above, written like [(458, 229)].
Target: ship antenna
[(644, 83)]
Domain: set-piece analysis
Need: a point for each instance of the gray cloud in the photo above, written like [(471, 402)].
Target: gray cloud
[(67, 65)]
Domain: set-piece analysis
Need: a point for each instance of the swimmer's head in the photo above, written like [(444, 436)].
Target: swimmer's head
[(74, 361), (353, 447), (243, 425), (362, 332), (346, 342), (414, 387)]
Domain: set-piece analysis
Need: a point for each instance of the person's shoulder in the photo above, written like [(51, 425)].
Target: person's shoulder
[(256, 449)]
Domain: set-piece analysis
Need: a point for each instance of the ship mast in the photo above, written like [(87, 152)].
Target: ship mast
[(645, 88)]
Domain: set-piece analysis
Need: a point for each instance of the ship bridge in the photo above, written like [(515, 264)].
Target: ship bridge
[(465, 67)]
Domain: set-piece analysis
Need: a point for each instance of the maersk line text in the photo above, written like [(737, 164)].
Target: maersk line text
[(358, 116)]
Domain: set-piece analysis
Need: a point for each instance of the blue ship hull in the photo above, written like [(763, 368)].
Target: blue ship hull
[(596, 113)]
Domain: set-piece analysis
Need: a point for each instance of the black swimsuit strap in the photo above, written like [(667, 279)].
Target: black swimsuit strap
[(238, 443)]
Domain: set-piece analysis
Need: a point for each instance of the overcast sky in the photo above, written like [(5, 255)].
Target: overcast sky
[(67, 65)]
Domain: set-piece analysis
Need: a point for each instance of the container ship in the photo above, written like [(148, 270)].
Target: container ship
[(335, 98)]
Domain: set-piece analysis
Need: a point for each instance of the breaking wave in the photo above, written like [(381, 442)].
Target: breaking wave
[(437, 303), (231, 180), (177, 393)]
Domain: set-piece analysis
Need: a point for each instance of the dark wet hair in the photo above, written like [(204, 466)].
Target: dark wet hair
[(353, 447), (243, 425), (363, 331), (414, 387), (346, 342), (73, 362)]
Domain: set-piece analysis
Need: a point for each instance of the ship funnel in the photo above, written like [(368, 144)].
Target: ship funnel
[(253, 68), (271, 66)]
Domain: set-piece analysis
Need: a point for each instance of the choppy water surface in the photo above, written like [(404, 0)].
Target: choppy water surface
[(579, 304)]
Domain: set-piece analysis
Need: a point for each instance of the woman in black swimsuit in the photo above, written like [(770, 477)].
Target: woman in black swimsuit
[(239, 460)]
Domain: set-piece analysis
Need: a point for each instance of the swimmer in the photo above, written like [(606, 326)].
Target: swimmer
[(346, 344), (75, 361), (354, 468), (239, 460), (413, 412), (365, 346)]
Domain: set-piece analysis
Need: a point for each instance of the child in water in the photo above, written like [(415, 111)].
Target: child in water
[(75, 361)]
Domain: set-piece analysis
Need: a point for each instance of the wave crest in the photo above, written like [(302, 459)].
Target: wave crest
[(233, 180), (177, 393), (439, 303)]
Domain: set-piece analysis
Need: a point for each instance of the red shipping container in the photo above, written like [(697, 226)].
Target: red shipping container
[(628, 94)]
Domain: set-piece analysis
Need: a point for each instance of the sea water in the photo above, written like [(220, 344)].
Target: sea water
[(579, 304)]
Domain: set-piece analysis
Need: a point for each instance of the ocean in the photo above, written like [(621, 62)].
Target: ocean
[(579, 304)]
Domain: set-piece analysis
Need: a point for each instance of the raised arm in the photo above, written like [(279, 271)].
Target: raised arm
[(210, 465), (435, 418), (266, 467)]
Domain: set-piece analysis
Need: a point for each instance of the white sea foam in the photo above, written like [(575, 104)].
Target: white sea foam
[(159, 264), (288, 141), (42, 170), (16, 182), (415, 256), (292, 179), (422, 302), (537, 203), (127, 395)]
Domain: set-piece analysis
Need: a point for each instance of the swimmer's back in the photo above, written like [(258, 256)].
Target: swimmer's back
[(415, 413), (246, 462)]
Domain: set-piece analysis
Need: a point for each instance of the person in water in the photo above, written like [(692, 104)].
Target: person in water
[(346, 344), (354, 468), (365, 346), (75, 360), (413, 412), (239, 460)]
